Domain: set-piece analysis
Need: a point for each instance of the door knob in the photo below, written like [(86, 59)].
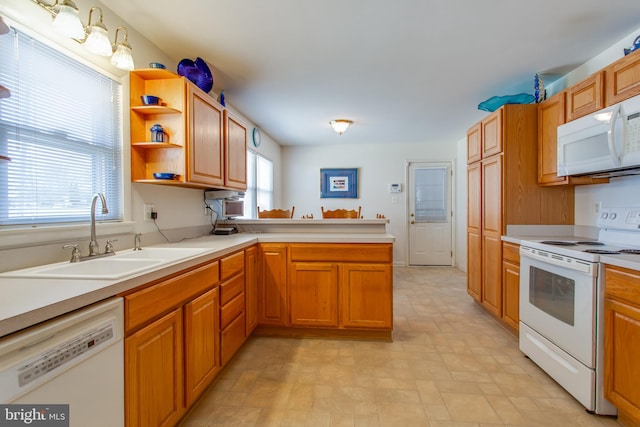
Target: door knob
[(412, 215), (413, 222)]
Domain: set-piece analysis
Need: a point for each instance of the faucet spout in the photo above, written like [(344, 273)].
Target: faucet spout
[(93, 243)]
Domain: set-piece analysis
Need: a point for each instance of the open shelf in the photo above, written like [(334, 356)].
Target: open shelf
[(155, 109)]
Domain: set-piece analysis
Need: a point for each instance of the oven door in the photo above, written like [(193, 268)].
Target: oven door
[(557, 300)]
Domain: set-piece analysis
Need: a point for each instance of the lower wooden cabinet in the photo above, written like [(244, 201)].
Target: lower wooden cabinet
[(154, 373), (313, 294), (272, 285), (251, 288), (622, 342), (511, 285), (201, 344)]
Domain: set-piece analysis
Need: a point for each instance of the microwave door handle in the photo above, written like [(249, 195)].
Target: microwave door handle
[(611, 137)]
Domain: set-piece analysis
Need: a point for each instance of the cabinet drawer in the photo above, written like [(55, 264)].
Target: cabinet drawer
[(231, 265), (623, 79), (622, 283), (231, 310), (585, 97), (232, 338), (231, 288), (511, 252), (354, 252), (144, 305)]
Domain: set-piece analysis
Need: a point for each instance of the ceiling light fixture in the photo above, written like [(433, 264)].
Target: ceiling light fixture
[(94, 36), (122, 57), (340, 125)]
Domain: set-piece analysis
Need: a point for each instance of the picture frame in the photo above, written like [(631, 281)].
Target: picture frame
[(339, 183)]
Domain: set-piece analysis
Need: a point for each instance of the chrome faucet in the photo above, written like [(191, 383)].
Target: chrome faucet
[(93, 244)]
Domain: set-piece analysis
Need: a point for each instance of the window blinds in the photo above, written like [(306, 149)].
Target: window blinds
[(61, 129)]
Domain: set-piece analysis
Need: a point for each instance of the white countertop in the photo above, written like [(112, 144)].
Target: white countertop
[(27, 301)]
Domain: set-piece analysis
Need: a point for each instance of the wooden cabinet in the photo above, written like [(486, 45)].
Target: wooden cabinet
[(313, 294), (251, 288), (492, 134), (585, 97), (341, 285), (474, 143), (503, 189), (623, 78), (203, 144), (232, 305), (204, 140), (154, 375), (551, 114), (171, 345), (622, 342), (511, 285), (272, 284), (474, 231), (201, 344), (235, 152)]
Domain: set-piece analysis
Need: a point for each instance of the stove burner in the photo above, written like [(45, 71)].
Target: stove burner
[(591, 243), (601, 251), (630, 251), (558, 243)]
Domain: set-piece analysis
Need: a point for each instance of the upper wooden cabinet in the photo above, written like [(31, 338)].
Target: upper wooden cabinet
[(585, 97), (623, 78), (235, 152), (203, 145), (551, 114), (474, 142), (492, 134)]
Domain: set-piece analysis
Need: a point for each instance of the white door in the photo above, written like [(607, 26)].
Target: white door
[(430, 214)]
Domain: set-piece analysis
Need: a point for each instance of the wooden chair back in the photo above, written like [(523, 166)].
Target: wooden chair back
[(341, 213), (276, 213)]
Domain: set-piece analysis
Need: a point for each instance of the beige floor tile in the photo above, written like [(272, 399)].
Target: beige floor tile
[(450, 365)]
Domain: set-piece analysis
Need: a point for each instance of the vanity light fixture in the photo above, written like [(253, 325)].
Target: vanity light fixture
[(97, 38), (122, 57), (340, 125), (66, 20), (94, 36)]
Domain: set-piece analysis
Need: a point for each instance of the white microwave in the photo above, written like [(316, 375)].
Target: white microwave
[(232, 208), (604, 143)]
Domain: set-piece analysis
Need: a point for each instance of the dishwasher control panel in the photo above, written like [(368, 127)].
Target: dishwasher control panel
[(65, 353)]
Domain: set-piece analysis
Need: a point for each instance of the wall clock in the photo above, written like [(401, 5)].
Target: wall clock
[(256, 137)]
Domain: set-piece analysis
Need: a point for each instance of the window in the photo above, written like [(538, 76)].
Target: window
[(61, 128), (259, 185)]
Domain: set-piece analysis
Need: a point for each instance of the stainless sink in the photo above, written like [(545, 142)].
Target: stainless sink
[(101, 268)]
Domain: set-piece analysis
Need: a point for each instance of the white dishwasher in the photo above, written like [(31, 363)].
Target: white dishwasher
[(76, 359)]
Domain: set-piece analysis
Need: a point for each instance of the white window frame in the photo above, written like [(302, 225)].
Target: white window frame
[(254, 188)]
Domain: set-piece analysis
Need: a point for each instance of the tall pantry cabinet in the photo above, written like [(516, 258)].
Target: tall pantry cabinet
[(502, 182)]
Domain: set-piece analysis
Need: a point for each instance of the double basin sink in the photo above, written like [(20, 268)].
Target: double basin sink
[(116, 266)]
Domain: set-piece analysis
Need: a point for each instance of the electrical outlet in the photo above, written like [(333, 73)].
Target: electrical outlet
[(147, 209)]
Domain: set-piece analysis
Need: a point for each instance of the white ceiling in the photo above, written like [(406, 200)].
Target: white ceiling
[(403, 71)]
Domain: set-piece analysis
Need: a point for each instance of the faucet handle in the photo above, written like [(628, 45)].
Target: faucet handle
[(137, 242), (75, 252), (108, 248)]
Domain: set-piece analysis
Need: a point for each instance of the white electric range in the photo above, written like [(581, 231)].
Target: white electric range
[(562, 303)]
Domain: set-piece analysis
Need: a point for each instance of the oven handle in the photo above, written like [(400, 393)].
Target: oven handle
[(559, 260)]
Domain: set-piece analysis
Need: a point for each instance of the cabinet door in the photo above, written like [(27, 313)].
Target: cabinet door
[(551, 114), (235, 153), (474, 231), (511, 294), (492, 184), (492, 134), (474, 143), (154, 376), (251, 289), (204, 145), (366, 298), (585, 97), (313, 294), (622, 353), (623, 78), (201, 343), (272, 289)]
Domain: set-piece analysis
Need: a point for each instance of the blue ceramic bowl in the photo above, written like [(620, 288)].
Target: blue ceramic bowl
[(164, 175), (156, 65), (150, 100)]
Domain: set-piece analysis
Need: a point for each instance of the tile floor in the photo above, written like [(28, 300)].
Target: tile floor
[(449, 364)]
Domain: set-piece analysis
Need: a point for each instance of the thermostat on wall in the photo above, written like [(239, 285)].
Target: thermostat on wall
[(395, 188)]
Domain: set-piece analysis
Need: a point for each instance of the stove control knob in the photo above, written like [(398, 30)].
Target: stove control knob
[(604, 215), (613, 215)]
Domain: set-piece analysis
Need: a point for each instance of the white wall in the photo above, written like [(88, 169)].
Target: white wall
[(379, 165)]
